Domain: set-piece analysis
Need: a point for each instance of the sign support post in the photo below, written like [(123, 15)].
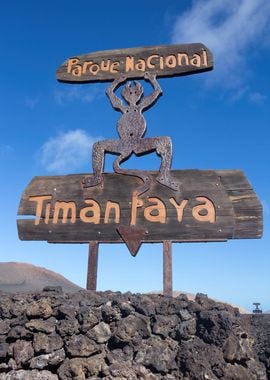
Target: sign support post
[(167, 268), (92, 266)]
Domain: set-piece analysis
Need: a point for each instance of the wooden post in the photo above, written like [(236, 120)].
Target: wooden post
[(167, 268), (92, 266)]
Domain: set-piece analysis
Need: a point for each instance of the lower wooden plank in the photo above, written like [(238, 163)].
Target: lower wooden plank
[(210, 206)]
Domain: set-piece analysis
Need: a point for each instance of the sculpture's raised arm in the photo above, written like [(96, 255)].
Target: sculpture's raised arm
[(116, 102), (150, 99)]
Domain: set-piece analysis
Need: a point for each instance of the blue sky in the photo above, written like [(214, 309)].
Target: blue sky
[(217, 120)]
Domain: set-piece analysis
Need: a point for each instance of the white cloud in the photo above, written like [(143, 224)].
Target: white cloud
[(71, 93), (232, 29), (67, 151)]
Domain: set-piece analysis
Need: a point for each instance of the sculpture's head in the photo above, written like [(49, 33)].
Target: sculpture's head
[(132, 94)]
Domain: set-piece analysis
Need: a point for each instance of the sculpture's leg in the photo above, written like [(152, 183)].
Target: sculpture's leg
[(98, 155), (164, 149), (98, 152)]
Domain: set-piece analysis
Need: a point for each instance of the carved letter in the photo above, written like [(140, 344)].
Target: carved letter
[(179, 208), (94, 69), (94, 209), (71, 62), (134, 205), (105, 65), (47, 213), (65, 207), (140, 65), (114, 67), (158, 209), (112, 206), (196, 60), (39, 206), (86, 66), (182, 57), (149, 64), (77, 71), (161, 62), (204, 212), (204, 60), (129, 64), (170, 61)]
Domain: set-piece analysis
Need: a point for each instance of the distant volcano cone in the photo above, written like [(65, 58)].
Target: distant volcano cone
[(22, 277)]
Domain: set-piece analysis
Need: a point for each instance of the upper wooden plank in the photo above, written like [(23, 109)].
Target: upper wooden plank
[(162, 61)]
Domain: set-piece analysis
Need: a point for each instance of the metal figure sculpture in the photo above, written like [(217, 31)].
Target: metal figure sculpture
[(131, 128)]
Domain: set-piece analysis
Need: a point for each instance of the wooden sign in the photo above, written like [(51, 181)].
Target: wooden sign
[(162, 61), (135, 206), (211, 206)]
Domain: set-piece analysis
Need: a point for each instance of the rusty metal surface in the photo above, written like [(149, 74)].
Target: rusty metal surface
[(131, 128), (167, 269), (92, 266), (133, 237)]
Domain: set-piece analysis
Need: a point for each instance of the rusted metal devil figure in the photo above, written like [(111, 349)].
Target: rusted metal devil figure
[(131, 128)]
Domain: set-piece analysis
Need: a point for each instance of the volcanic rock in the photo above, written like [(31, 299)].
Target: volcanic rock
[(50, 335)]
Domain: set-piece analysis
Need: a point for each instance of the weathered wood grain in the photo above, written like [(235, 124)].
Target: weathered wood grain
[(238, 212), (163, 61), (247, 207)]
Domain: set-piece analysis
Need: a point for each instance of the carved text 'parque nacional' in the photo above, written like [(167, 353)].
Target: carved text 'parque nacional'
[(155, 61), (134, 63)]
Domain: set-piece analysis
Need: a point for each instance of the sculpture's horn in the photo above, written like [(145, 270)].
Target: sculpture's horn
[(137, 85)]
